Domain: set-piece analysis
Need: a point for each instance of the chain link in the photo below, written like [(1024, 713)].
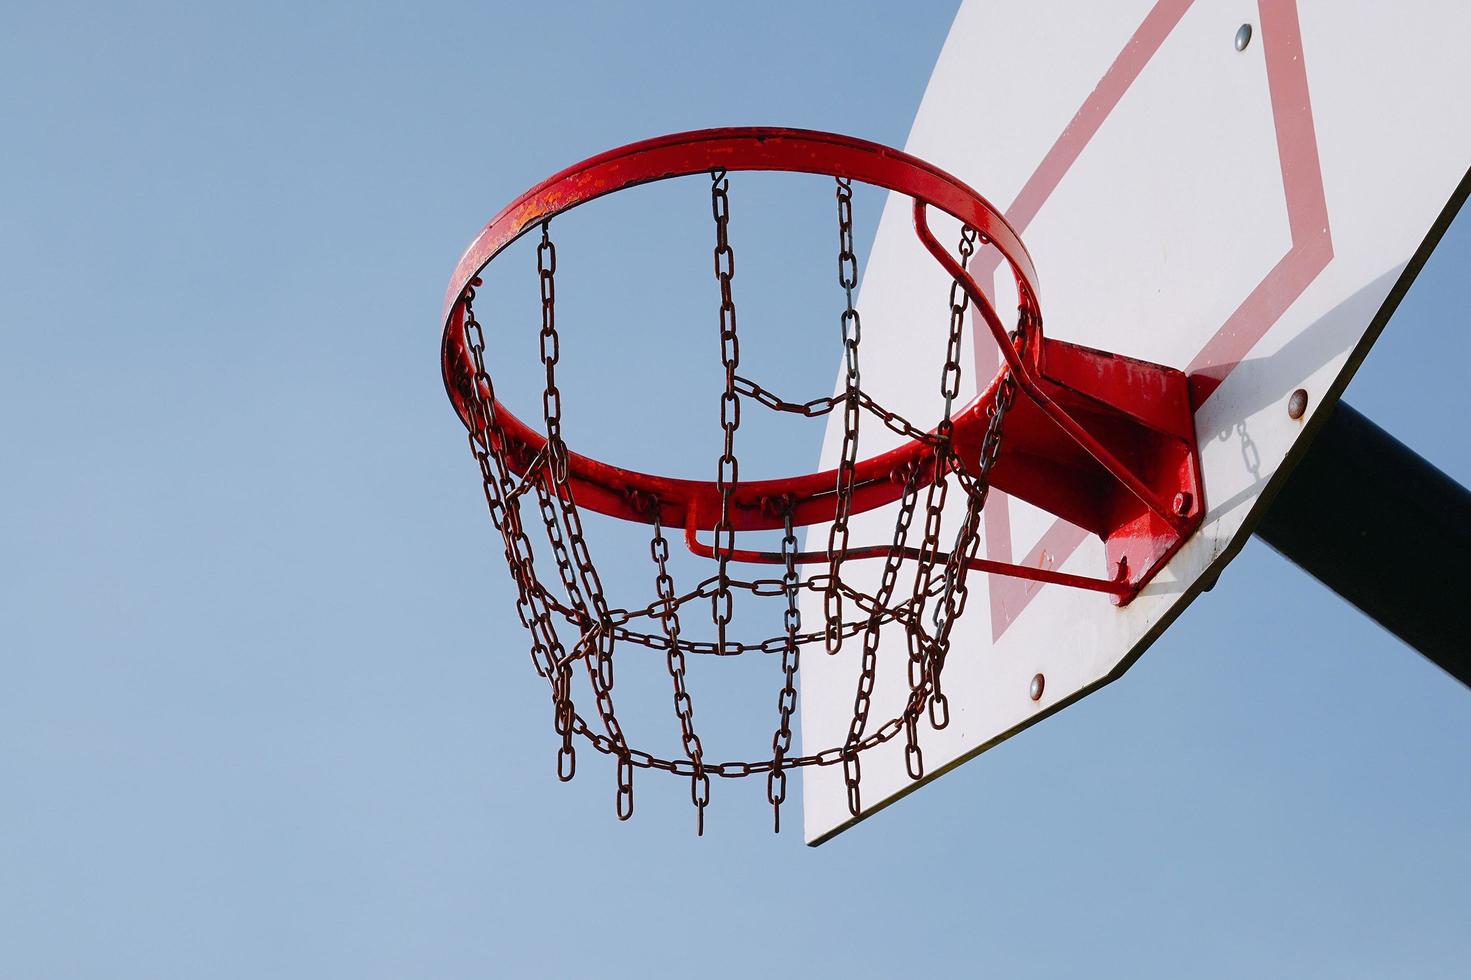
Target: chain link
[(684, 708), (486, 442), (582, 580), (728, 470), (959, 303), (781, 742), (938, 596), (903, 612), (852, 331), (868, 665), (951, 604), (551, 351), (822, 406), (921, 654), (952, 600)]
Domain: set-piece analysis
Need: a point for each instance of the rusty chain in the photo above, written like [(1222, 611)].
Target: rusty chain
[(728, 469), (951, 603), (684, 708), (551, 351), (531, 606), (903, 612), (571, 550), (781, 742), (821, 406), (921, 654), (868, 665), (940, 588), (852, 331)]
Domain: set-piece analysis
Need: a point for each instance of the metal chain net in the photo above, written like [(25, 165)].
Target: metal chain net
[(927, 613)]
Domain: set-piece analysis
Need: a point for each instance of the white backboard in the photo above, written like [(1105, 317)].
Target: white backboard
[(1250, 215)]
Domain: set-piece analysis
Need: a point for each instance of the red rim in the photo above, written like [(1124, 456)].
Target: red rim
[(625, 493)]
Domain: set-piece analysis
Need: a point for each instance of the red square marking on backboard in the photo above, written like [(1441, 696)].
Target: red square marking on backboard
[(1309, 254)]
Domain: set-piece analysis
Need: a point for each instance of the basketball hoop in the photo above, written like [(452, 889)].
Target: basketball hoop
[(1103, 441)]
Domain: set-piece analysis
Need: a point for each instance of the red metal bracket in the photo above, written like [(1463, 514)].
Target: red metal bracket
[(1136, 416)]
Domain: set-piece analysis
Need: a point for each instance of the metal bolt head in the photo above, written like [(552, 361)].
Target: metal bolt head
[(1297, 404), (1038, 683), (1183, 500), (1243, 37)]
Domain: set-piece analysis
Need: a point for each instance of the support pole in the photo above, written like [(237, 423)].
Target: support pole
[(1372, 520)]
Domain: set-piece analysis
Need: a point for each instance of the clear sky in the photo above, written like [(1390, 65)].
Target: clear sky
[(265, 710)]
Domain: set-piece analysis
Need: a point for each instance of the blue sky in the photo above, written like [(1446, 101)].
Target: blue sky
[(265, 708)]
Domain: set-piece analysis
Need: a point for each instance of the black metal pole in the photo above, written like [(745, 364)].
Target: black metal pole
[(1387, 531)]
